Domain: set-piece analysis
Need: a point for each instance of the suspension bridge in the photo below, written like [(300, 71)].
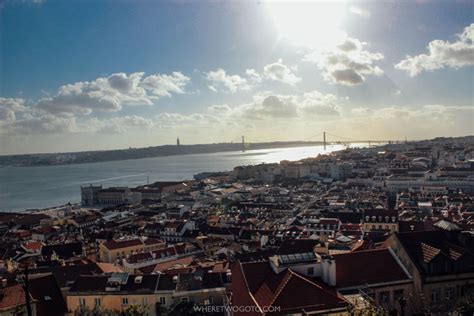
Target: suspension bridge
[(325, 139)]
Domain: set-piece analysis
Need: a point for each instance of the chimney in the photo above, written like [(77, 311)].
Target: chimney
[(329, 270)]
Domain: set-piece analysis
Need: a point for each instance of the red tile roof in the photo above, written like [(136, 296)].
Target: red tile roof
[(117, 244), (289, 290), (12, 296), (368, 267)]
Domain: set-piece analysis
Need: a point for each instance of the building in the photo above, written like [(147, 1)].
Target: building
[(341, 171), (113, 250), (262, 290), (118, 292), (89, 195), (385, 284), (380, 220), (149, 293), (441, 263)]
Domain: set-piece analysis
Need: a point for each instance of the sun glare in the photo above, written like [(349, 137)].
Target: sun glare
[(314, 24)]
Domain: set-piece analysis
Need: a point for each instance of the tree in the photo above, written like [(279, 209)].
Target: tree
[(465, 305)]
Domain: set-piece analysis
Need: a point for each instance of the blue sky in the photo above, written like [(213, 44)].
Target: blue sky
[(80, 75)]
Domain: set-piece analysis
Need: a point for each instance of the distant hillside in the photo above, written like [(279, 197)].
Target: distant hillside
[(135, 153)]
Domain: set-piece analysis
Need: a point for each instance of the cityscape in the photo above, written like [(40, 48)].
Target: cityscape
[(236, 158)]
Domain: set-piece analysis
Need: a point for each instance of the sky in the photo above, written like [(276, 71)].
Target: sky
[(86, 75)]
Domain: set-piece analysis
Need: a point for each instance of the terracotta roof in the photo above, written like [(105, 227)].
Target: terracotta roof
[(108, 267), (289, 290), (12, 296), (292, 246), (428, 252), (368, 267), (98, 283), (152, 241), (423, 247), (47, 294), (33, 245), (117, 244), (159, 267)]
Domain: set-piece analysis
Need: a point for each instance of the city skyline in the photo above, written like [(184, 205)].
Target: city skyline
[(89, 75)]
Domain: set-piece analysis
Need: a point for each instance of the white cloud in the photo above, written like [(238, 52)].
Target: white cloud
[(219, 108), (101, 95), (276, 71), (442, 54), (121, 124), (253, 75), (165, 85), (348, 63), (62, 112), (272, 107), (9, 107), (220, 80), (44, 124), (280, 72), (318, 104), (396, 122), (110, 94), (360, 11)]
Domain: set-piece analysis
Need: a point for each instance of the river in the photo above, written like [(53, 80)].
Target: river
[(39, 187)]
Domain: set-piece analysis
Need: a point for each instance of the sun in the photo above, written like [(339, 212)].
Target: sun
[(314, 24)]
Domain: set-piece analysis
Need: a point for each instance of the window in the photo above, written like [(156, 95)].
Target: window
[(97, 301), (310, 270), (397, 294), (162, 300), (184, 300), (384, 297), (82, 301), (125, 301), (435, 295), (450, 293)]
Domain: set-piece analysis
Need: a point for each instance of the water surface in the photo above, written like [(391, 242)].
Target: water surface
[(39, 187)]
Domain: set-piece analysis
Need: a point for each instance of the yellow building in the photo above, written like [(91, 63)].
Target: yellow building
[(119, 292), (380, 220), (112, 250), (150, 293)]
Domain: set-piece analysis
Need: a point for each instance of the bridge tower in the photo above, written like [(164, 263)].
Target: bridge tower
[(324, 140)]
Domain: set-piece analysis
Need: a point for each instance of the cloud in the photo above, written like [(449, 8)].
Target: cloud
[(121, 124), (253, 75), (316, 103), (349, 63), (442, 54), (165, 85), (279, 72), (62, 112), (220, 80), (112, 93), (219, 108), (44, 124), (9, 107), (359, 11), (398, 121), (271, 107)]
